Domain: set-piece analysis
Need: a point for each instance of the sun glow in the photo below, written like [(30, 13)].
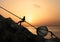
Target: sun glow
[(29, 19)]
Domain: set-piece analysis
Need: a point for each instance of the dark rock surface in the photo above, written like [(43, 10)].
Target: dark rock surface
[(12, 32)]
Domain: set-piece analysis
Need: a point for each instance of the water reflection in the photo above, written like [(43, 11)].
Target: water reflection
[(54, 29)]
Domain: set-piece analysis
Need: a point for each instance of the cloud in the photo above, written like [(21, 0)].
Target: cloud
[(1, 0), (37, 6)]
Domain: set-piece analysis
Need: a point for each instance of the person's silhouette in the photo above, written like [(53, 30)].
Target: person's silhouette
[(22, 20)]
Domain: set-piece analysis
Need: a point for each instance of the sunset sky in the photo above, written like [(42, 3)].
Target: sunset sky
[(37, 12)]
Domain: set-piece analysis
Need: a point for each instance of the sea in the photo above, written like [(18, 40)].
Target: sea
[(54, 29)]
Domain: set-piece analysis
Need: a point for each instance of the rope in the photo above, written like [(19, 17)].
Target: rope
[(16, 16)]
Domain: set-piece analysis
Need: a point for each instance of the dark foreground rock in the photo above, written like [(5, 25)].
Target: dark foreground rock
[(12, 32)]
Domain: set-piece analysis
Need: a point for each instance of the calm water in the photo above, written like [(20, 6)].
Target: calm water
[(54, 29)]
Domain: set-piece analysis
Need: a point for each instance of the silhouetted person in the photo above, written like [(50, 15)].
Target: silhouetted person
[(23, 19)]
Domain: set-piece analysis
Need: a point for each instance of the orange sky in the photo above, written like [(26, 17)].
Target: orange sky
[(37, 12)]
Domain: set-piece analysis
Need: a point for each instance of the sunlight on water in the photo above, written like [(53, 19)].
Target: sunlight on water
[(54, 29)]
